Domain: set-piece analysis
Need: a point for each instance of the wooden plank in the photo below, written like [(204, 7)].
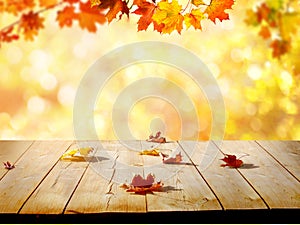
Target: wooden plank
[(32, 167), (99, 191), (11, 151), (54, 192), (232, 189), (184, 189), (275, 185), (286, 152)]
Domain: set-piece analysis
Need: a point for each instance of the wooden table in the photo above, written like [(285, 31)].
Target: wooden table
[(44, 188)]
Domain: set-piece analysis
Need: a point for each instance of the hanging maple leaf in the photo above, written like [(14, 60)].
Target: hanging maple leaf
[(66, 16), (198, 2), (216, 10), (280, 47), (232, 161), (17, 6), (8, 165), (194, 19), (47, 3), (169, 15), (7, 35), (31, 23), (114, 6), (139, 185), (146, 10), (89, 17), (265, 32)]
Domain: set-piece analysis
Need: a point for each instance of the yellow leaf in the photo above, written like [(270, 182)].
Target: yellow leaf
[(198, 2), (79, 152), (154, 152), (169, 14), (95, 3), (194, 19), (85, 151)]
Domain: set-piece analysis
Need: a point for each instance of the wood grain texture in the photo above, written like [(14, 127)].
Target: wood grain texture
[(230, 187), (41, 183), (54, 192), (275, 185), (11, 151), (286, 152), (34, 165), (100, 191), (183, 190)]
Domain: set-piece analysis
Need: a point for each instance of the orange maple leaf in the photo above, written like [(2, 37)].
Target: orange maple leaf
[(194, 19), (265, 32), (16, 6), (47, 3), (31, 23), (216, 9), (90, 16), (263, 12), (115, 6), (146, 10), (169, 14), (7, 35), (66, 16)]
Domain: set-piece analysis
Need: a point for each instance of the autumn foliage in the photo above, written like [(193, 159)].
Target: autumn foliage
[(165, 16), (277, 23)]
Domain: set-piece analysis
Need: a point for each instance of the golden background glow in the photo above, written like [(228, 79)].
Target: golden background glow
[(39, 81)]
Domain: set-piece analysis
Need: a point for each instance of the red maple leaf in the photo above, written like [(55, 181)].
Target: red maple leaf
[(7, 35), (177, 159), (157, 138), (31, 23), (216, 9), (115, 6), (232, 161), (8, 165), (146, 10), (280, 47), (139, 185)]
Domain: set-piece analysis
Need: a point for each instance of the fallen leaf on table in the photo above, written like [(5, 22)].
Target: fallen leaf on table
[(157, 138), (231, 161), (154, 152), (177, 159), (77, 153), (139, 185), (8, 165)]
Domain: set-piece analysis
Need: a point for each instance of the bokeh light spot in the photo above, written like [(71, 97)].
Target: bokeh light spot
[(36, 105)]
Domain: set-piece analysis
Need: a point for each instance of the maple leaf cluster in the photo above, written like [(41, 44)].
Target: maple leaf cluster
[(166, 16), (277, 22)]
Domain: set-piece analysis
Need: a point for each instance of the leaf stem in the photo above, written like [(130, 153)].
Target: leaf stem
[(37, 12)]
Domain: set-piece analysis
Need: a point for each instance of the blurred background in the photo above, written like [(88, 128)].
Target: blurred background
[(39, 80)]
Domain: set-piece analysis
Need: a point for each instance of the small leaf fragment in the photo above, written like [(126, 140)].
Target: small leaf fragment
[(8, 165), (177, 159)]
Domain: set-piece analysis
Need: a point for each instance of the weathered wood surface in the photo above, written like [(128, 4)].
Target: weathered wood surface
[(42, 183)]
